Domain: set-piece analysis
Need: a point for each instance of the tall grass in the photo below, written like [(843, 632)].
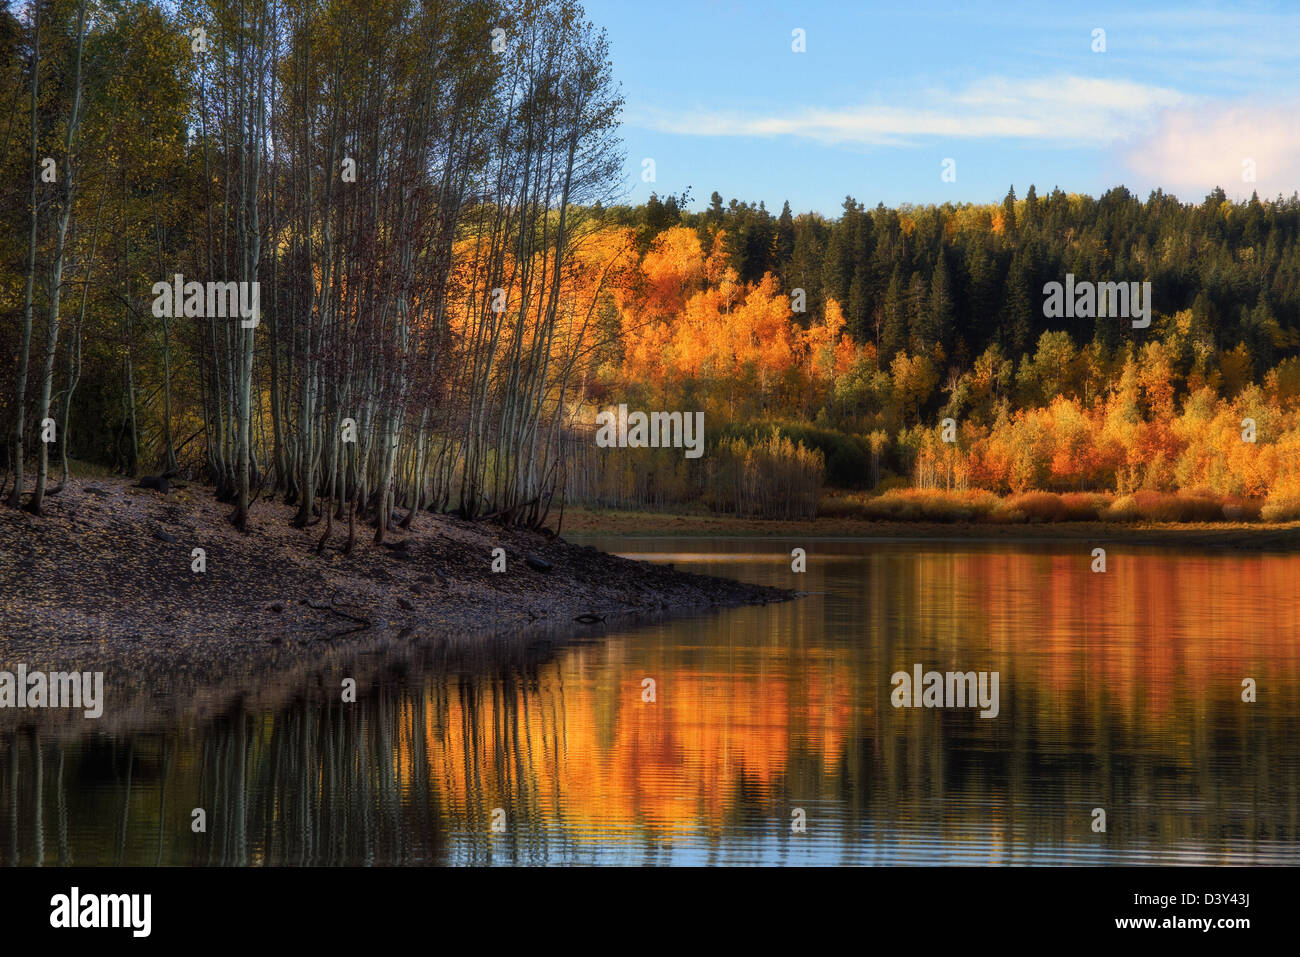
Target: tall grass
[(975, 505)]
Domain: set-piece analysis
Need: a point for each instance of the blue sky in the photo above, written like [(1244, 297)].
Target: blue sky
[(1185, 96)]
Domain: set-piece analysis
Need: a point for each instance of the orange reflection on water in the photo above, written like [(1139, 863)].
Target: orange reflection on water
[(1146, 658)]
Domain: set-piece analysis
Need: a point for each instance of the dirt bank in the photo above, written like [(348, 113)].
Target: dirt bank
[(107, 574)]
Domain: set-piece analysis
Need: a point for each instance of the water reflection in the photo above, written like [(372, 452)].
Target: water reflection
[(1119, 690)]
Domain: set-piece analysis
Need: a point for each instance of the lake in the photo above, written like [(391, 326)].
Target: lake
[(770, 737)]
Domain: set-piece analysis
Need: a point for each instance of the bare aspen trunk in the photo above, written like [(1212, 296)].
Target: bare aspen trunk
[(24, 354), (56, 271)]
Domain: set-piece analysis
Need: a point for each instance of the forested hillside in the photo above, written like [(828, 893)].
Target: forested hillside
[(919, 314)]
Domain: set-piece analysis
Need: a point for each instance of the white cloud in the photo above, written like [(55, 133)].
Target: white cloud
[(1189, 152), (1064, 110)]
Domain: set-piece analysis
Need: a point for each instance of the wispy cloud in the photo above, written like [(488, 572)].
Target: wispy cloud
[(1194, 151), (1066, 110)]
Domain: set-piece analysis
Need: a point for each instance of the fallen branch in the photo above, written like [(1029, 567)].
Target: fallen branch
[(364, 623)]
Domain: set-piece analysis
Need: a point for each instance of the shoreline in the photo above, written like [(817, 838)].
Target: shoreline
[(106, 577), (1242, 536)]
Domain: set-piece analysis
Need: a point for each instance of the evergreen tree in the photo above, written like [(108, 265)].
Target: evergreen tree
[(1031, 209), (837, 274), (1021, 309), (893, 334), (942, 306), (805, 268), (922, 332), (784, 249), (1009, 212)]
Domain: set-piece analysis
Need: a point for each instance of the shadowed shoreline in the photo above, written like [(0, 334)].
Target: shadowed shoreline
[(1281, 537), (93, 584)]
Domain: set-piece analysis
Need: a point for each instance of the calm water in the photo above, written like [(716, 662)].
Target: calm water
[(1119, 690)]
